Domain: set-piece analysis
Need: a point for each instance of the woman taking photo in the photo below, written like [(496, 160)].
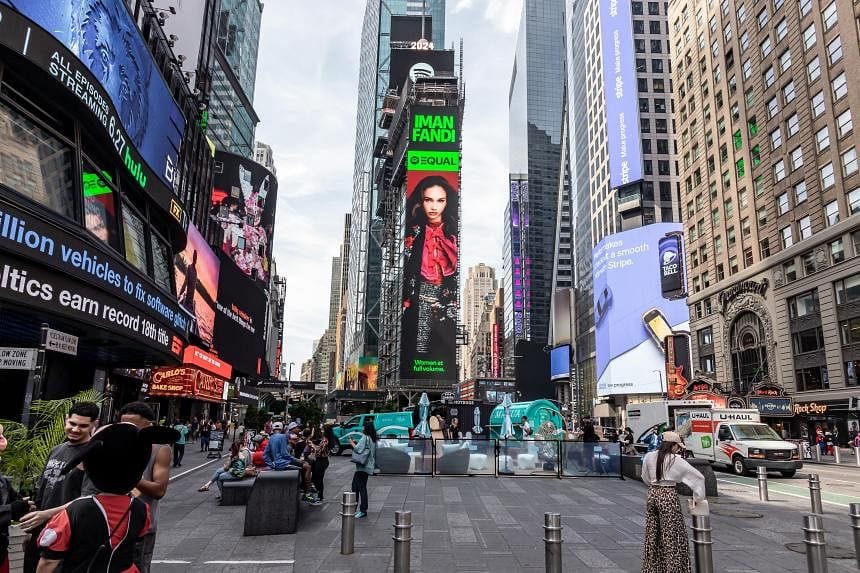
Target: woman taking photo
[(666, 544), (366, 449)]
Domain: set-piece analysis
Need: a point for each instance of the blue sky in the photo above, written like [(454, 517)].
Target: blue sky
[(307, 81)]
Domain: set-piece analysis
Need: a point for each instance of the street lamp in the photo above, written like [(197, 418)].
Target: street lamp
[(660, 374), (289, 390)]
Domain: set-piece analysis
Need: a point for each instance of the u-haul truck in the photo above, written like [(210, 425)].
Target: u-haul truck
[(737, 439)]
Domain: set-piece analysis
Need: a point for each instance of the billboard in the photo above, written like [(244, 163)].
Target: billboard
[(196, 275), (632, 316), (559, 363), (414, 63), (94, 49), (362, 375), (620, 93), (186, 382), (408, 29), (678, 365), (431, 245), (240, 316), (672, 282), (244, 196)]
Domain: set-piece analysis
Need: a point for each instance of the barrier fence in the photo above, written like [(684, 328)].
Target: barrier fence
[(516, 458)]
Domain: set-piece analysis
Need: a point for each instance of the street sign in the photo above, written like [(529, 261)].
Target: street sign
[(17, 358), (59, 341), (323, 387)]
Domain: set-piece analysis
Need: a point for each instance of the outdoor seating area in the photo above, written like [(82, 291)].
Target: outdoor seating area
[(236, 492), (273, 504)]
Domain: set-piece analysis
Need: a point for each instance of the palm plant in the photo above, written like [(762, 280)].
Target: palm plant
[(28, 451)]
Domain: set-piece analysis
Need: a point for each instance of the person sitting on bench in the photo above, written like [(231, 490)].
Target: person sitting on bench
[(278, 457)]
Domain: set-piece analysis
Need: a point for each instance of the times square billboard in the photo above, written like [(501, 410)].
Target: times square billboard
[(244, 197), (94, 49), (431, 281), (639, 301), (620, 92)]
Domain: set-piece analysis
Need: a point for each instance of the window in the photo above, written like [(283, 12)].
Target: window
[(837, 251), (162, 262), (764, 248), (730, 236), (745, 41), (818, 104), (769, 77), (848, 289), (805, 226), (844, 125), (831, 213), (800, 193), (739, 166), (785, 61), (813, 378), (761, 214), (834, 50), (782, 202), (787, 239), (707, 363), (747, 68), (656, 46), (135, 237), (805, 7), (828, 16), (840, 86), (804, 304), (715, 217), (792, 125), (745, 227), (779, 170), (728, 208), (790, 271), (36, 164), (796, 158), (781, 30), (827, 178), (766, 48), (854, 202), (733, 265), (788, 92), (822, 139), (855, 242), (811, 340), (813, 69), (808, 262), (706, 336), (763, 18), (721, 272), (849, 162), (772, 107), (718, 245), (809, 37), (851, 370), (776, 138), (850, 331), (100, 205)]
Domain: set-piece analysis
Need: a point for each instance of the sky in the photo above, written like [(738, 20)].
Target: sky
[(306, 95)]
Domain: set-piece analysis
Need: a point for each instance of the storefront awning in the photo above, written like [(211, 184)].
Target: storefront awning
[(187, 382)]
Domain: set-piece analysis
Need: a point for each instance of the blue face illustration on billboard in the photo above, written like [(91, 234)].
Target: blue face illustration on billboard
[(632, 315), (104, 37)]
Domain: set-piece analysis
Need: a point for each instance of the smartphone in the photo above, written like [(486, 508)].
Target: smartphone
[(657, 326)]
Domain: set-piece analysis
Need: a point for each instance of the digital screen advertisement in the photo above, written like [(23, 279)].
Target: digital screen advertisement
[(414, 63), (632, 315), (363, 375), (240, 316), (408, 28), (196, 271), (559, 363), (431, 246), (94, 49), (244, 197), (620, 91), (678, 365)]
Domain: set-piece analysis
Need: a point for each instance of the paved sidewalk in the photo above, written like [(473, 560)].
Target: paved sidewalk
[(479, 524)]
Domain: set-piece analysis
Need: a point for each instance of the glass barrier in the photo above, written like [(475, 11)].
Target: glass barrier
[(404, 456), (593, 459), (527, 458), (465, 457)]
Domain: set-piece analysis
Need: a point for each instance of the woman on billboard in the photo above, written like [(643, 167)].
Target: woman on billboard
[(430, 275)]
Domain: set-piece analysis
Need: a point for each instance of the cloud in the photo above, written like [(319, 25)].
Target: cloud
[(504, 14), (462, 5)]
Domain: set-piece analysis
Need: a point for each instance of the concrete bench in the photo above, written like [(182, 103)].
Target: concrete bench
[(236, 492), (273, 506)]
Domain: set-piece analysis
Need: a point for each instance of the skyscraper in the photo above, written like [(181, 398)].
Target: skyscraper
[(265, 156), (361, 336), (480, 289), (536, 101), (771, 191), (616, 191)]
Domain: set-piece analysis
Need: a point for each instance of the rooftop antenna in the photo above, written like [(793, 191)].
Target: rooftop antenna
[(423, 15)]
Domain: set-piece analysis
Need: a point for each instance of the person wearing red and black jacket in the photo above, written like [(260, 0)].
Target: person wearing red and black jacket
[(12, 508)]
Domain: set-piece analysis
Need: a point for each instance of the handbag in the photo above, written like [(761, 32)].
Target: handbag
[(360, 458)]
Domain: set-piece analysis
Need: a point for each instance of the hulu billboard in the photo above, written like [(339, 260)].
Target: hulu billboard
[(431, 281)]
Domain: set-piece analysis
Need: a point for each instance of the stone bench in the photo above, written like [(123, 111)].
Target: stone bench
[(273, 506), (236, 492)]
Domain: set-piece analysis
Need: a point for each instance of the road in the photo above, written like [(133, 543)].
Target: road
[(840, 485)]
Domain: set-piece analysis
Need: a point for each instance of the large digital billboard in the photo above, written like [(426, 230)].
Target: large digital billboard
[(559, 363), (196, 271), (632, 315), (240, 317), (620, 92), (431, 240), (406, 63), (244, 196), (94, 49)]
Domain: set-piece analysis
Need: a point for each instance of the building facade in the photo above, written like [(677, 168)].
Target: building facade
[(361, 335), (770, 196), (480, 285), (265, 156)]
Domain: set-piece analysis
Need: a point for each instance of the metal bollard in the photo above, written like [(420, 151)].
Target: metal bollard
[(817, 453), (552, 541), (857, 455), (762, 483), (836, 454), (815, 494), (702, 543), (402, 540), (854, 510), (347, 523), (816, 548)]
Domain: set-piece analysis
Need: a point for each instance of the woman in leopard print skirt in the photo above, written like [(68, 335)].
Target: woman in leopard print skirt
[(667, 547)]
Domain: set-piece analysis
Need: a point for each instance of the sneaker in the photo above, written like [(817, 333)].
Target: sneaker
[(360, 514), (315, 502)]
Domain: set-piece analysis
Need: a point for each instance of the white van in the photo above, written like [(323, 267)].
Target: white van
[(736, 438)]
